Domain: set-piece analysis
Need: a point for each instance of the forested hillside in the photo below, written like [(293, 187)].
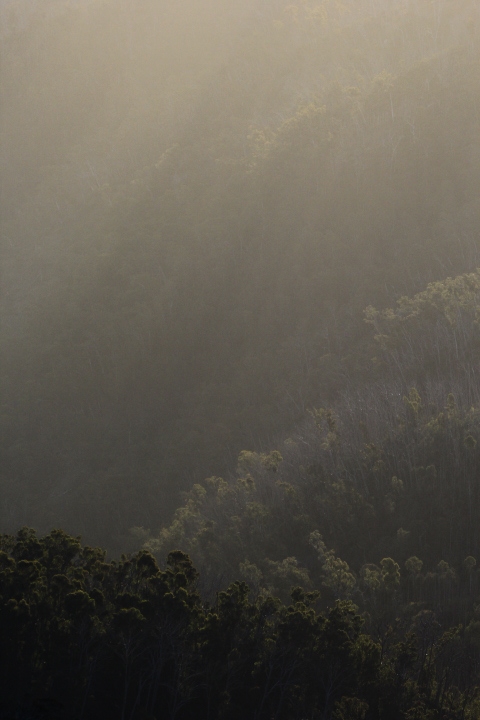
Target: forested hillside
[(198, 206), (240, 309), (87, 638)]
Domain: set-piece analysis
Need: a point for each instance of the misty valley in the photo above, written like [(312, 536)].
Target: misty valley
[(240, 360)]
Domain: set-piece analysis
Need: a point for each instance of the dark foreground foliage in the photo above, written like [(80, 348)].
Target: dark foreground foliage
[(86, 638)]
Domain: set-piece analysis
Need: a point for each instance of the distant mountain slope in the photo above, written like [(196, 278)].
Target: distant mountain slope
[(195, 222)]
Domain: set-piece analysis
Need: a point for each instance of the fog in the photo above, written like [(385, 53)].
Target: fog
[(199, 200), (240, 359)]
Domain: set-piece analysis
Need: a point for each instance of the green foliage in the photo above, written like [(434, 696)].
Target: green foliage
[(350, 709), (341, 521), (112, 639)]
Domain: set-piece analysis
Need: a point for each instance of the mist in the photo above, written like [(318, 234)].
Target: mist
[(198, 202), (239, 370)]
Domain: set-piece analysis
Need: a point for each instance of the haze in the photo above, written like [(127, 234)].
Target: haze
[(239, 371), (199, 200)]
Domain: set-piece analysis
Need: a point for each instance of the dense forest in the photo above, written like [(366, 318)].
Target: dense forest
[(240, 309), (87, 638)]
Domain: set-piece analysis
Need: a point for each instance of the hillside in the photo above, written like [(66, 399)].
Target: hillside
[(195, 224)]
